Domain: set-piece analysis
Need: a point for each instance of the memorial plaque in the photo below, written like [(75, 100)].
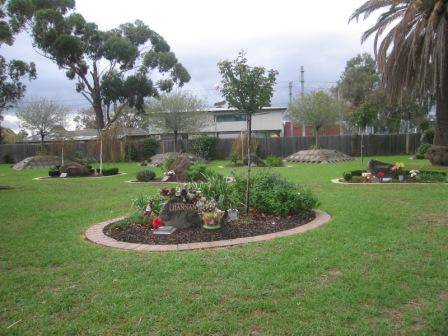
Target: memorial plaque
[(179, 214)]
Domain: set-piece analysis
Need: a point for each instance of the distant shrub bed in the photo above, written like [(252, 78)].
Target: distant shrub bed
[(204, 147), (150, 147), (108, 171), (145, 175), (274, 161), (421, 150), (198, 172)]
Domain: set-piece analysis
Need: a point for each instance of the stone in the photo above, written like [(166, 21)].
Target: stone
[(164, 230), (179, 167), (40, 161), (159, 159), (255, 161), (75, 169), (179, 214), (438, 155), (375, 167), (318, 156)]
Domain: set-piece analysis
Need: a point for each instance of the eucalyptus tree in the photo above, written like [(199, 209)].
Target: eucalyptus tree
[(42, 116), (248, 89), (177, 112), (411, 48)]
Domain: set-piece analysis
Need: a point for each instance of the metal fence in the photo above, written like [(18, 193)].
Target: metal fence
[(390, 144)]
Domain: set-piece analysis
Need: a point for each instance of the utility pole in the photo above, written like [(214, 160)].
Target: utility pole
[(302, 94), (291, 127)]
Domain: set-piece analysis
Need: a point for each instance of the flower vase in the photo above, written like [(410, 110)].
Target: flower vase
[(401, 178), (212, 220)]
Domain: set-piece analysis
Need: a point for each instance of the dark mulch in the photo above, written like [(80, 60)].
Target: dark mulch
[(254, 225)]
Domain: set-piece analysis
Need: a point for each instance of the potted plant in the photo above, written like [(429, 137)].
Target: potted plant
[(211, 215), (397, 169)]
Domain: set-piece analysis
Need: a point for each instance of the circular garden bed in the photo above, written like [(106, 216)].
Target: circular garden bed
[(75, 177)]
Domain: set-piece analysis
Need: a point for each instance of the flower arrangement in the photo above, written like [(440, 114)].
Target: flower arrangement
[(397, 167), (380, 175), (156, 223), (414, 173)]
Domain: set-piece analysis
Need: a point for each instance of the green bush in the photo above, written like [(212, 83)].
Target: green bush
[(274, 195), (432, 176), (54, 172), (421, 150), (145, 175), (108, 171), (198, 172), (8, 159), (204, 147), (150, 147), (428, 136), (347, 176), (274, 161)]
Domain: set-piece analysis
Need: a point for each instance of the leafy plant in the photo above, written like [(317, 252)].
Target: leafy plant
[(145, 175), (54, 172), (421, 150), (432, 176), (131, 153), (204, 147), (274, 161), (198, 172), (7, 158), (108, 171), (347, 176), (150, 147)]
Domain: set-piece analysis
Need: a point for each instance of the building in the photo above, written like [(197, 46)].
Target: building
[(229, 123)]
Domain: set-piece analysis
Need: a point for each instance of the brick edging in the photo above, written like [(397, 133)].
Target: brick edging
[(339, 181), (151, 182), (95, 234), (42, 178)]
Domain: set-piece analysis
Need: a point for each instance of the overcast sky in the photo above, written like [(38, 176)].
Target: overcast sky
[(281, 35)]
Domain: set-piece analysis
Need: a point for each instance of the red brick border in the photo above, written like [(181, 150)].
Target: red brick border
[(44, 178), (95, 234)]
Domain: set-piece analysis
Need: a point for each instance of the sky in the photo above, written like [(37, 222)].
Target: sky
[(281, 35)]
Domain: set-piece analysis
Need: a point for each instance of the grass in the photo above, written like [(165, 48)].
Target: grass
[(379, 267)]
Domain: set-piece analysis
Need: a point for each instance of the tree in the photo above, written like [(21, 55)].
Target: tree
[(364, 115), (42, 116), (177, 112), (413, 56), (112, 68), (318, 109), (358, 80), (248, 89)]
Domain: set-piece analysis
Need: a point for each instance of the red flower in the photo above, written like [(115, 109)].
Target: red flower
[(157, 222), (381, 174)]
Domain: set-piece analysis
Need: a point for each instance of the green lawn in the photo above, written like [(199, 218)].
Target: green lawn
[(380, 266)]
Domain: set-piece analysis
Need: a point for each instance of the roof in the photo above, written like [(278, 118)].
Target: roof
[(85, 135), (264, 109)]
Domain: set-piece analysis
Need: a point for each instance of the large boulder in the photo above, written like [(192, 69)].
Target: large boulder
[(75, 169), (40, 161), (375, 167), (255, 161), (438, 155), (180, 166)]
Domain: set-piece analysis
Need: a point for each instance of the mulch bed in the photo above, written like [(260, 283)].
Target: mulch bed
[(253, 225)]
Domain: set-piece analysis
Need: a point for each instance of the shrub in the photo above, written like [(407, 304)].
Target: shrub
[(7, 158), (274, 161), (108, 171), (274, 195), (168, 162), (428, 136), (150, 147), (347, 176), (356, 172), (432, 176), (234, 157), (54, 172), (145, 175), (141, 201), (204, 147), (78, 156), (421, 150), (198, 172)]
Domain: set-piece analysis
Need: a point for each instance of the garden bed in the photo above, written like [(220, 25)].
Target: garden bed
[(393, 182), (75, 177), (155, 181), (244, 226)]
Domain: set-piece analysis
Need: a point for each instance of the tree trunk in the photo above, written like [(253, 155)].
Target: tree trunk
[(42, 146), (316, 131), (101, 151), (175, 141), (362, 146), (249, 133), (438, 153)]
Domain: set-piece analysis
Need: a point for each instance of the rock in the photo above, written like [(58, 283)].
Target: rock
[(375, 166), (75, 169), (255, 161), (438, 155), (318, 156), (180, 166), (41, 161), (180, 215), (159, 159)]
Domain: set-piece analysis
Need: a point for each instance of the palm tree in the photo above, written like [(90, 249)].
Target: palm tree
[(413, 56)]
